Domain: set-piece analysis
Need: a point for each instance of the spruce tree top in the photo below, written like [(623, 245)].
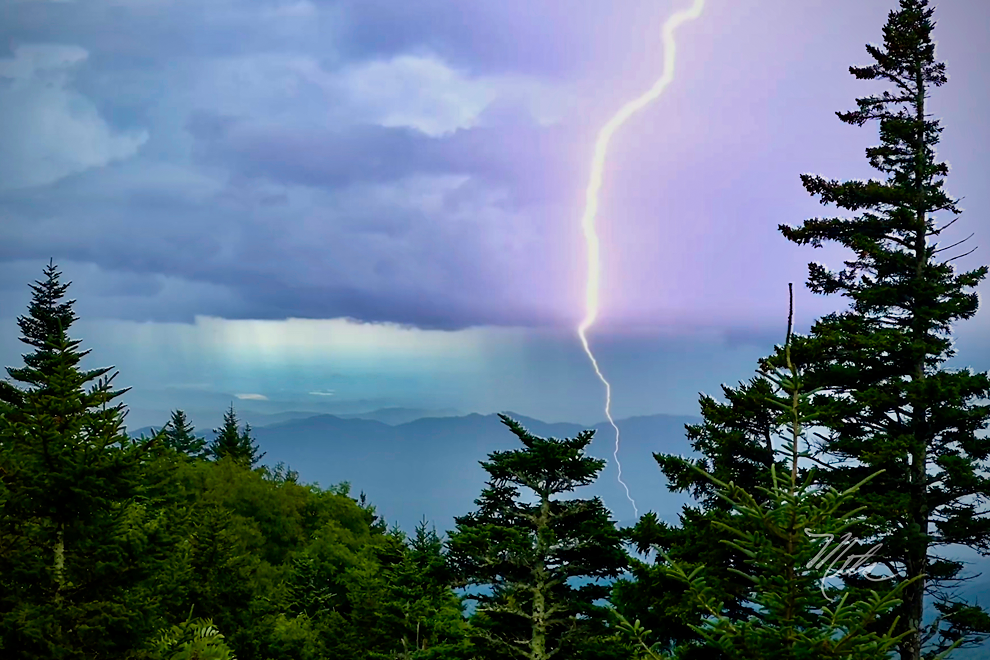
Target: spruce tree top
[(45, 328), (230, 443), (889, 236)]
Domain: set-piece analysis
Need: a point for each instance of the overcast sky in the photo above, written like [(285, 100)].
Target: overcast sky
[(377, 202)]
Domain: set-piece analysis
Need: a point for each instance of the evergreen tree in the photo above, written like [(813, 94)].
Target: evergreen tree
[(68, 515), (237, 445), (890, 405), (179, 436), (735, 441), (885, 403), (426, 614), (228, 437), (47, 318), (794, 617), (401, 605), (527, 552)]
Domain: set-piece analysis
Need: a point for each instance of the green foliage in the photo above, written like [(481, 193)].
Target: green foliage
[(887, 404), (47, 318), (735, 442), (77, 539), (420, 608), (105, 542), (230, 443), (179, 436), (192, 639), (793, 615), (372, 599), (527, 552)]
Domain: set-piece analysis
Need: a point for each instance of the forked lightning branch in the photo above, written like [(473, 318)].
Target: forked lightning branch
[(591, 207)]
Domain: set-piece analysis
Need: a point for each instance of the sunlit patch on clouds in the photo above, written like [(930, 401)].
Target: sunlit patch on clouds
[(296, 339), (343, 345), (420, 91), (424, 93), (252, 397), (47, 130)]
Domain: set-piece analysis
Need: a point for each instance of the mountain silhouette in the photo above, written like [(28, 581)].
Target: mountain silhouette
[(429, 467)]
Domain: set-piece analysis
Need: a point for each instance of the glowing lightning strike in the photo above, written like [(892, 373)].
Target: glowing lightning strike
[(591, 205)]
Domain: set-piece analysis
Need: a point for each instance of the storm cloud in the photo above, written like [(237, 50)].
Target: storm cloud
[(424, 163)]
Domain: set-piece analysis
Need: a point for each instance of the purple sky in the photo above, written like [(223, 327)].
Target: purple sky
[(205, 171)]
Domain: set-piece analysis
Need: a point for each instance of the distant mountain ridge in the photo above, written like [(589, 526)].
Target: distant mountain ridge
[(404, 468), (394, 416)]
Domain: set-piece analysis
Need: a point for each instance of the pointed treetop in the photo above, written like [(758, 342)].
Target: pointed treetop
[(179, 436), (46, 329), (47, 316), (547, 464), (234, 444)]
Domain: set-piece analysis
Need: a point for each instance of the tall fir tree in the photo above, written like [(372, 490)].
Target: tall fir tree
[(527, 552), (231, 443), (179, 436), (890, 405), (47, 317), (886, 403), (69, 478)]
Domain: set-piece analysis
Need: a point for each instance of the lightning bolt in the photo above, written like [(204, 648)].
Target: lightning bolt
[(591, 205)]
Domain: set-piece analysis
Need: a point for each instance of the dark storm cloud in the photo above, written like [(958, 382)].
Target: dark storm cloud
[(511, 35), (364, 258), (238, 224), (534, 161), (413, 308), (531, 162), (152, 32), (227, 144)]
